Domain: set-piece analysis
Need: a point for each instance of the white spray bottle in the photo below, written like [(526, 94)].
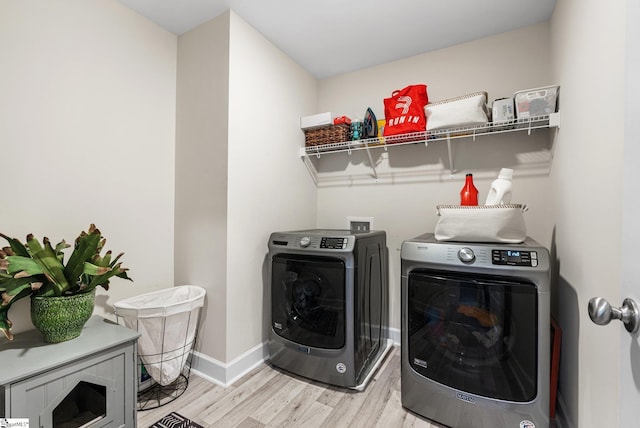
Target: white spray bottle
[(500, 191)]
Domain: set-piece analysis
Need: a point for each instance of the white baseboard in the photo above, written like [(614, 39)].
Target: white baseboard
[(394, 334), (225, 374)]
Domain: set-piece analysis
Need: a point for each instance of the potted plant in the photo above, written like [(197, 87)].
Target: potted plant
[(56, 288)]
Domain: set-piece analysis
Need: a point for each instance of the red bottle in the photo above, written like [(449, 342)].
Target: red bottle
[(469, 193)]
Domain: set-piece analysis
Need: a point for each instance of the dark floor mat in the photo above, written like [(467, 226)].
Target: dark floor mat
[(175, 420)]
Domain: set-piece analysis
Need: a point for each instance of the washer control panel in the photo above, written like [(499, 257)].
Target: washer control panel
[(514, 258), (528, 256), (313, 242), (333, 243)]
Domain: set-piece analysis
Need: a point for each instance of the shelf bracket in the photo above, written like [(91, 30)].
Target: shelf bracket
[(373, 167), (450, 155), (310, 167)]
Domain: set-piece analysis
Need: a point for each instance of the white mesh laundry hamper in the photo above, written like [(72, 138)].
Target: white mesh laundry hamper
[(167, 321)]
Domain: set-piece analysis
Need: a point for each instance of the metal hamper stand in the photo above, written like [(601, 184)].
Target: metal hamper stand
[(167, 321)]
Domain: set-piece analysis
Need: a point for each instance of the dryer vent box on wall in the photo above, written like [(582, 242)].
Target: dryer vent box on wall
[(360, 224)]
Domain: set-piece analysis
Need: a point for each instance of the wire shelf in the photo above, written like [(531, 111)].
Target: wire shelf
[(425, 137), (519, 125)]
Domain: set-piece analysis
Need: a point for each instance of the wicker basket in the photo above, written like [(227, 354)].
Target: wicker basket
[(327, 135)]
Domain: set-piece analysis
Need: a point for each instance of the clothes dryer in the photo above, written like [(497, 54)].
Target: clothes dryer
[(329, 304), (476, 332)]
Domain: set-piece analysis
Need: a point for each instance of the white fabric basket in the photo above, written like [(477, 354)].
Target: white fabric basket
[(482, 223), (465, 110), (167, 322)]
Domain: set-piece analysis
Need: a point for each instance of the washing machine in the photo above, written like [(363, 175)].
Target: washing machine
[(476, 333), (329, 304)]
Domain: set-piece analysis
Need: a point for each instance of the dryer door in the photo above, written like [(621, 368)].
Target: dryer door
[(474, 333), (308, 300)]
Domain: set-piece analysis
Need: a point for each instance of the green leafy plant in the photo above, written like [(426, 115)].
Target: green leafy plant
[(38, 269)]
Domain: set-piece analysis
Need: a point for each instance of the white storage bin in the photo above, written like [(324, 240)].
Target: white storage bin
[(536, 102), (481, 223)]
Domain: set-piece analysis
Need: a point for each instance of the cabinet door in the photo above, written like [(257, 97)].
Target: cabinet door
[(95, 390)]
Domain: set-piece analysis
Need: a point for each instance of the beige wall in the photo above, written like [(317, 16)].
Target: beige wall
[(201, 174), (87, 123), (415, 179), (238, 177), (588, 42), (269, 188)]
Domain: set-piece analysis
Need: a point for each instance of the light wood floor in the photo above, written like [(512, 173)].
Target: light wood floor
[(267, 397)]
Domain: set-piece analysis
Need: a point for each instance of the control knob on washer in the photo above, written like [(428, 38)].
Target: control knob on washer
[(466, 255), (305, 241)]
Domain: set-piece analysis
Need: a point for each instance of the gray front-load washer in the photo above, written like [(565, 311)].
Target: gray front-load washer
[(476, 332), (329, 304)]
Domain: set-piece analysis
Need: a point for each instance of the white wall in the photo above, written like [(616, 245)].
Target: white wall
[(87, 117), (629, 345), (588, 43), (201, 174), (268, 188), (418, 178)]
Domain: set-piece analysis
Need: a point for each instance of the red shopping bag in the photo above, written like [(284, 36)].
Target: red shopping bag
[(404, 111)]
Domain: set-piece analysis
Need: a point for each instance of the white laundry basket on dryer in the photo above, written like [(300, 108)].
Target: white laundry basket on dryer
[(167, 321)]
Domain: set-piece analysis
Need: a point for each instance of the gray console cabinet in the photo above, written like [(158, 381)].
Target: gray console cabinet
[(95, 372)]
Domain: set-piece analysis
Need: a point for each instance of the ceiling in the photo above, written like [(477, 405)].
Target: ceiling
[(331, 37)]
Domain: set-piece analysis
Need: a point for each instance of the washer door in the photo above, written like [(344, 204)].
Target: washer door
[(474, 333), (308, 300)]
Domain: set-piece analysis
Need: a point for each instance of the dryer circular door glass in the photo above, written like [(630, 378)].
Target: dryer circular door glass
[(308, 300), (475, 333)]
